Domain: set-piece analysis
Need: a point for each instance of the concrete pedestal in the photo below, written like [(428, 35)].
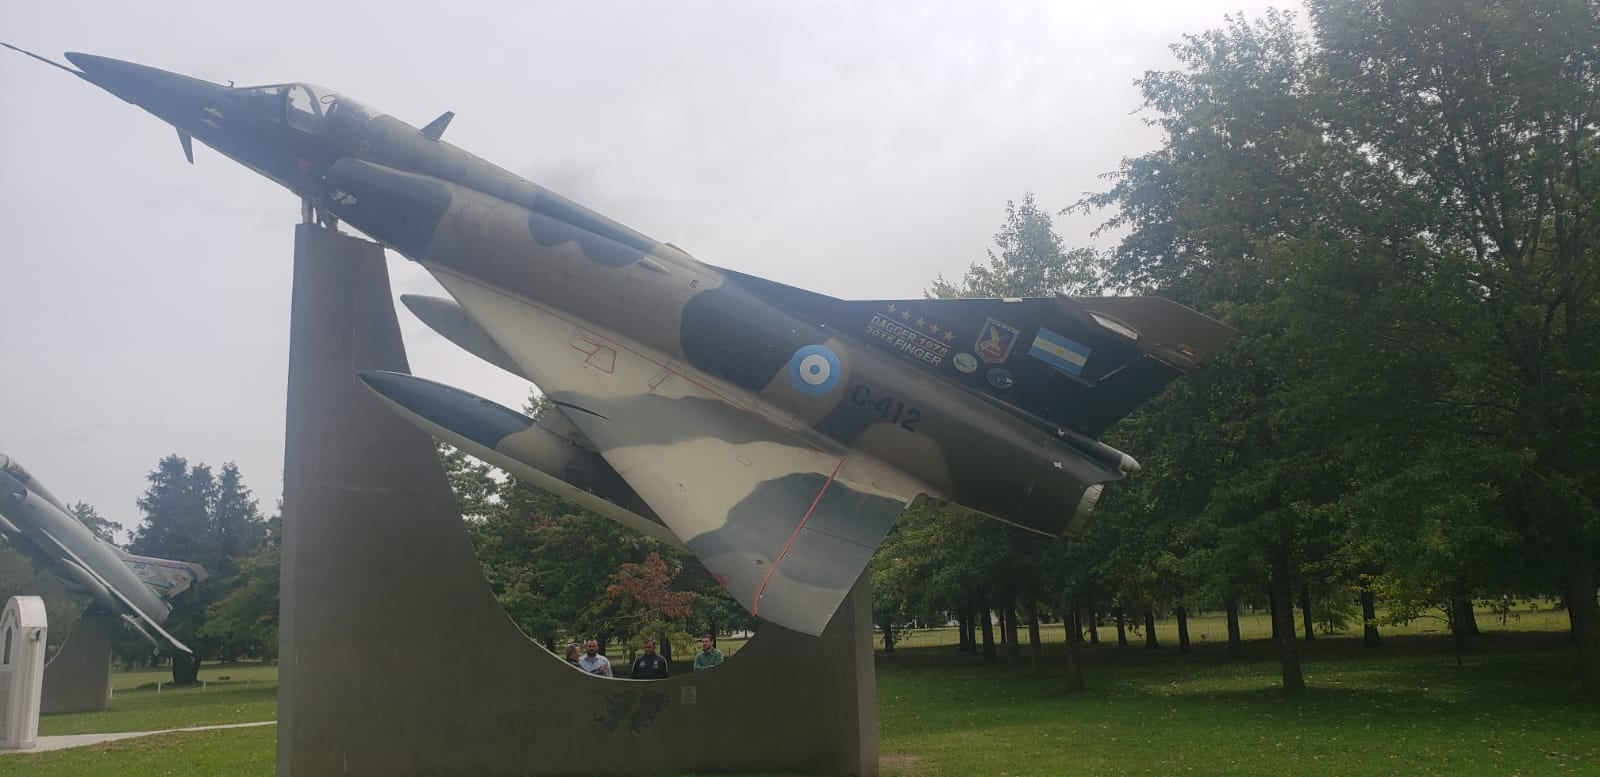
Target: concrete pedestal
[(78, 679), (396, 660)]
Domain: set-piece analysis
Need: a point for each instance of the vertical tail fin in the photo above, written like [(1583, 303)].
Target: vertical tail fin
[(165, 577)]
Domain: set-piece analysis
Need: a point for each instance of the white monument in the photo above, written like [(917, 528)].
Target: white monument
[(22, 633)]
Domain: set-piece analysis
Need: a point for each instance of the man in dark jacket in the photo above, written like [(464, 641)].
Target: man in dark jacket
[(649, 666)]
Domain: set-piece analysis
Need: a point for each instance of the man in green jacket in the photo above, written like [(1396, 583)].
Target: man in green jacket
[(708, 656)]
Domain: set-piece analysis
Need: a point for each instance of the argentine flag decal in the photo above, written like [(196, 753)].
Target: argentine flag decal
[(1059, 351)]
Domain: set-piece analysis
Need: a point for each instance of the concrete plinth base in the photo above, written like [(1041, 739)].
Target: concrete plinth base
[(396, 659), (78, 679)]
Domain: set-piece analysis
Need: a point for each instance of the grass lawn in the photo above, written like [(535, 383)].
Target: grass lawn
[(251, 694), (1407, 708), (228, 753)]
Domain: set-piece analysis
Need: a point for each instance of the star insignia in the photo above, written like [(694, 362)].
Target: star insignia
[(934, 329), (905, 316), (920, 322), (949, 335), (892, 308)]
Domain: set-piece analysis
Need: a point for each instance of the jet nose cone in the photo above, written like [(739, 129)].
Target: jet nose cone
[(114, 75), (90, 63), (153, 89)]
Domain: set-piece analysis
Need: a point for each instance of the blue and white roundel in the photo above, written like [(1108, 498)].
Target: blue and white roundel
[(814, 369)]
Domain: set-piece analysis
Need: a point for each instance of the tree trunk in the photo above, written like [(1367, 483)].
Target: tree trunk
[(1150, 630), (964, 644), (185, 668), (1369, 619), (711, 625), (1035, 645), (888, 636), (1272, 609), (1183, 629), (1077, 623), (1122, 629), (1008, 618), (1463, 621), (1074, 664), (1235, 638), (1584, 613), (1283, 618), (984, 622), (666, 647), (1305, 611), (1094, 627)]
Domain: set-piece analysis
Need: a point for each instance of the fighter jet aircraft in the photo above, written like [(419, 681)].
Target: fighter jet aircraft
[(136, 588), (775, 432)]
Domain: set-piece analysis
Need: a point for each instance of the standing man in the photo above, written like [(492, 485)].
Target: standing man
[(592, 662), (709, 655), (649, 666)]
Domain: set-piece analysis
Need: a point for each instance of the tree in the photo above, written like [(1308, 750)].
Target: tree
[(1397, 215), (237, 529), (644, 596), (1032, 261), (1477, 120), (191, 515), (1230, 178), (176, 507), (104, 530), (244, 621)]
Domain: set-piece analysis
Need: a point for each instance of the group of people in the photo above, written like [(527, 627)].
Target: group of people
[(649, 666)]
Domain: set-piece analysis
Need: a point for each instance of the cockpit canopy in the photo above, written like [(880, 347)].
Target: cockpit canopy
[(307, 107)]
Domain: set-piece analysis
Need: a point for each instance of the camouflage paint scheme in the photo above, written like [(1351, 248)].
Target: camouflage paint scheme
[(778, 433)]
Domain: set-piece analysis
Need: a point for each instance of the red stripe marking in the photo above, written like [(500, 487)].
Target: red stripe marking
[(756, 604)]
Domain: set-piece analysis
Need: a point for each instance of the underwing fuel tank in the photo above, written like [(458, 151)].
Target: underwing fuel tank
[(504, 438)]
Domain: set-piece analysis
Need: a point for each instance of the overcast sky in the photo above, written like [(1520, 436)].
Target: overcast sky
[(854, 148)]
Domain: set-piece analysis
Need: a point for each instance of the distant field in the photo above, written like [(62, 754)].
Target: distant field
[(212, 674), (1406, 708), (1213, 627)]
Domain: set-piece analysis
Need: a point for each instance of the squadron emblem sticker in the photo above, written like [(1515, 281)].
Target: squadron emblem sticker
[(995, 340), (814, 369), (1000, 378), (965, 362)]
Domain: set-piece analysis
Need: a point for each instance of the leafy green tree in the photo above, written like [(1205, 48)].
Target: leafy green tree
[(1477, 122), (103, 529), (244, 620), (1231, 177), (1033, 261)]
